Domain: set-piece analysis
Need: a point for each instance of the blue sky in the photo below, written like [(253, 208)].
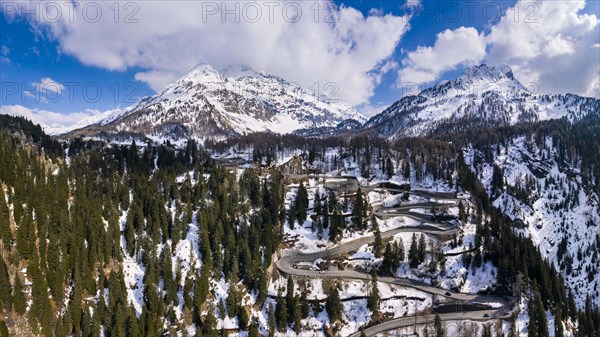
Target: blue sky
[(77, 67)]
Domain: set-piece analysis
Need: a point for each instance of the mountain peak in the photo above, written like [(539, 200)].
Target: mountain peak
[(481, 95), (238, 70), (203, 73), (211, 103), (477, 80), (485, 73)]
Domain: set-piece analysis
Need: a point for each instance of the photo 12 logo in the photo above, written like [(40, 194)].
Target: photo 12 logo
[(69, 12), (54, 92), (255, 11), (470, 12)]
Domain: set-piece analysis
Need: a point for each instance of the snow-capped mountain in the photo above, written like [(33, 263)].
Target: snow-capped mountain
[(480, 95), (206, 103)]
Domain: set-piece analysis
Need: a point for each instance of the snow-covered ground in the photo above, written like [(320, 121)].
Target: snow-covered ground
[(560, 208)]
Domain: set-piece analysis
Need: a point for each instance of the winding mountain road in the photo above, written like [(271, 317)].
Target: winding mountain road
[(289, 258)]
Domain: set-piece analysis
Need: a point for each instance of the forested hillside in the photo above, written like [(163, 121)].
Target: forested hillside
[(101, 239)]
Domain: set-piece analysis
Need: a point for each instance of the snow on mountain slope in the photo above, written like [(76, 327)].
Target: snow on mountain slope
[(483, 94), (206, 103), (558, 211)]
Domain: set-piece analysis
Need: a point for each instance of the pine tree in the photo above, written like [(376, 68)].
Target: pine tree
[(400, 251), (532, 329), (373, 300), (540, 313), (132, 328), (5, 232), (378, 242), (210, 323), (262, 288), (253, 330), (359, 211), (297, 319), (413, 252), (5, 287), (26, 236), (19, 296), (281, 313), (290, 300), (333, 305), (301, 203), (272, 320), (292, 216), (422, 249), (389, 168), (130, 233), (558, 325), (335, 228), (389, 263), (406, 170), (304, 307)]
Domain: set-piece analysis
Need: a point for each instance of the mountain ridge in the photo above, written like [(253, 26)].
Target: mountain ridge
[(481, 93), (207, 103)]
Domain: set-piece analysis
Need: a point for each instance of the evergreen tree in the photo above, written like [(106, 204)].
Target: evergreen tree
[(5, 232), (373, 300), (19, 296), (540, 314), (378, 242), (413, 253), (233, 299), (290, 300), (292, 216), (422, 249), (297, 319), (253, 330), (359, 211), (389, 168), (301, 203), (5, 287), (400, 251), (532, 329), (304, 307), (406, 170), (333, 305), (210, 323), (272, 320), (336, 226), (132, 329), (281, 314), (558, 325)]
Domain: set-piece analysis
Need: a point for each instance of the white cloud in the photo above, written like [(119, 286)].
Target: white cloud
[(547, 43), (556, 52), (47, 84), (171, 37), (49, 119), (451, 48)]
